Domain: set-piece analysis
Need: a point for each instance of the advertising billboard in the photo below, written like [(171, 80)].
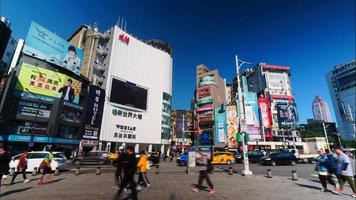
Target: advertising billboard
[(265, 113), (251, 113), (232, 126), (48, 46), (93, 112), (220, 125), (287, 115), (38, 80)]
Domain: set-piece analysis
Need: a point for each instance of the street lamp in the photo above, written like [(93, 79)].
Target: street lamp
[(239, 63), (326, 136)]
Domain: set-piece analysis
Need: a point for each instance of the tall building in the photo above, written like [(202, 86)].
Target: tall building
[(210, 95), (272, 84), (181, 120), (342, 87), (137, 78), (321, 110)]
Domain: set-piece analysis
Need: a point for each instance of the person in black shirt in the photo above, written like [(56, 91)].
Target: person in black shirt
[(4, 163)]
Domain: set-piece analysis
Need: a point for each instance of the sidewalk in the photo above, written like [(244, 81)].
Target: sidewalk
[(171, 186)]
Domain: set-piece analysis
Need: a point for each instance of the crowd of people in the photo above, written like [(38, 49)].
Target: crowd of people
[(339, 165)]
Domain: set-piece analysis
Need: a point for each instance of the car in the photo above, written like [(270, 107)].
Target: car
[(223, 158), (35, 158), (182, 160), (253, 157), (93, 157), (113, 156), (282, 158)]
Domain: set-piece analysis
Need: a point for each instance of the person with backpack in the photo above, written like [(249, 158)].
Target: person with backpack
[(204, 174), (4, 163), (21, 168), (323, 171), (344, 172), (143, 167)]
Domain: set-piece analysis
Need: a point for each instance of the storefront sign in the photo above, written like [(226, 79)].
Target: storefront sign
[(124, 38), (232, 125), (126, 114), (93, 112)]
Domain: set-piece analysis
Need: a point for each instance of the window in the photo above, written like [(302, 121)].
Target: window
[(36, 155)]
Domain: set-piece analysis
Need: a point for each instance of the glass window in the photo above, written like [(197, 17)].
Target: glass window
[(36, 155)]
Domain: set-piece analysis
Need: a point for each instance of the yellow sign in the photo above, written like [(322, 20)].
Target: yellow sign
[(46, 82)]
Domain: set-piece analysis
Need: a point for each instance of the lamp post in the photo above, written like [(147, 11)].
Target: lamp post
[(326, 136), (239, 63)]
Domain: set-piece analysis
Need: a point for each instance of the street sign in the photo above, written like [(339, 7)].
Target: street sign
[(244, 128), (243, 121)]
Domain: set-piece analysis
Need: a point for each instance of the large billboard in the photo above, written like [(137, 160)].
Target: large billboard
[(251, 113), (93, 112), (45, 45), (232, 125), (265, 113), (38, 80), (287, 115), (220, 126)]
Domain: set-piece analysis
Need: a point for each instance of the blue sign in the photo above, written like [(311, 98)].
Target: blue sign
[(220, 125), (45, 45), (42, 139)]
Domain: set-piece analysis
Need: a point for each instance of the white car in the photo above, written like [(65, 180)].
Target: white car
[(35, 158)]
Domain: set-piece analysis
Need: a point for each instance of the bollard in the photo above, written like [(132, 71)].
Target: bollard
[(34, 172), (12, 171), (230, 171), (56, 172), (77, 171), (157, 169), (98, 171), (269, 173), (294, 175)]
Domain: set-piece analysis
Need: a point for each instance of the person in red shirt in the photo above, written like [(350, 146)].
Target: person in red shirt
[(21, 168)]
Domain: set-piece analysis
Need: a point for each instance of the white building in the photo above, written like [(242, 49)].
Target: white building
[(138, 84), (321, 110)]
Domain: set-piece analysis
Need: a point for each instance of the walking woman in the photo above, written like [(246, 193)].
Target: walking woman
[(204, 174), (323, 171), (4, 163), (21, 168), (143, 166)]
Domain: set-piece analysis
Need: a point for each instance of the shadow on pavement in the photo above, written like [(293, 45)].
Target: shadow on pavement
[(15, 191), (308, 186), (54, 181)]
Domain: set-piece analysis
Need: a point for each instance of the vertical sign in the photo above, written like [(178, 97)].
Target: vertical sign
[(93, 112)]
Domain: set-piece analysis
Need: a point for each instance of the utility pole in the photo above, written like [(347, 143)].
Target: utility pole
[(326, 136), (246, 170), (183, 136)]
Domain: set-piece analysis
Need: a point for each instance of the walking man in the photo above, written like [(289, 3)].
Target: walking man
[(130, 167), (204, 174), (118, 163), (323, 171), (143, 167), (344, 171), (4, 163), (21, 168)]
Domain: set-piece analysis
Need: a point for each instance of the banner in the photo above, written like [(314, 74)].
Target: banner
[(232, 125), (265, 113), (287, 115), (220, 125), (38, 80), (251, 113), (93, 112), (45, 45)]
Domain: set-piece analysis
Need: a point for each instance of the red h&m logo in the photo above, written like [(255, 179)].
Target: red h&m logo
[(124, 38)]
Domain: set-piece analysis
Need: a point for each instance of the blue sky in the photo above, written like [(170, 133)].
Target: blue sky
[(309, 36)]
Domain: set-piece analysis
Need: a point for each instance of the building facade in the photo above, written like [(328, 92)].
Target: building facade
[(342, 87), (321, 110), (181, 120), (272, 84), (209, 96)]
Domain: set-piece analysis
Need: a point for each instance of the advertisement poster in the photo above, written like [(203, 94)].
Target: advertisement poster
[(220, 125), (41, 81), (232, 125), (265, 113), (287, 115), (93, 112), (48, 46), (251, 113)]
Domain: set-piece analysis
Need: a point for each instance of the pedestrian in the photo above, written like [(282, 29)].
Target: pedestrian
[(204, 174), (344, 171), (4, 163), (129, 168), (143, 167), (118, 163), (45, 167), (323, 171), (21, 168)]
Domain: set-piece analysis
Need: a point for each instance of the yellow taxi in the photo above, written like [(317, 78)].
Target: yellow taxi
[(113, 156), (223, 158)]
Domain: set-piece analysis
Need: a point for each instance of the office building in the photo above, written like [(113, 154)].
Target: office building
[(321, 110), (342, 87)]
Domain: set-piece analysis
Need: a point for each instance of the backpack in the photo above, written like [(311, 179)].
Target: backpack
[(331, 163)]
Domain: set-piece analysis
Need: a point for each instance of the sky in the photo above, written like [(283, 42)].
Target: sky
[(310, 37)]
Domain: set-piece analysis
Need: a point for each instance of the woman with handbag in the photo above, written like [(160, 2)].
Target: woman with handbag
[(21, 168)]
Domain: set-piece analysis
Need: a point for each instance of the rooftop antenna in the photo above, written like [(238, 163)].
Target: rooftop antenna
[(122, 22), (125, 25), (118, 22)]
